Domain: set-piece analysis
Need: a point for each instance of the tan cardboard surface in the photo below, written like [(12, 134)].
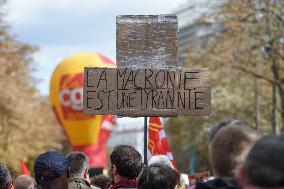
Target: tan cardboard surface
[(146, 41), (147, 92)]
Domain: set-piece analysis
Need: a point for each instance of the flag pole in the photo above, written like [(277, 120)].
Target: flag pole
[(145, 141)]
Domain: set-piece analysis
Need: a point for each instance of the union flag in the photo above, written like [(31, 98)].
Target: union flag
[(157, 140), (107, 125)]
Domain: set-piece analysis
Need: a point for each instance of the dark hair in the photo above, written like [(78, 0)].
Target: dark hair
[(229, 147), (78, 163), (264, 166), (158, 176), (127, 160), (5, 177), (101, 181)]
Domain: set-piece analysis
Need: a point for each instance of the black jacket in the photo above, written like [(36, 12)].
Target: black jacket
[(219, 183)]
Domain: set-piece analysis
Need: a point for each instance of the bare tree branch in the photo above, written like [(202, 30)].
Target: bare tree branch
[(245, 70)]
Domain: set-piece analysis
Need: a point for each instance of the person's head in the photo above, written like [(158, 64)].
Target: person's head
[(264, 165), (50, 170), (78, 164), (229, 147), (24, 182), (126, 162), (5, 177), (161, 159), (101, 181), (158, 176), (224, 123)]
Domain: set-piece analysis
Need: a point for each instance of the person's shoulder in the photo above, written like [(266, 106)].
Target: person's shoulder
[(219, 183), (78, 183)]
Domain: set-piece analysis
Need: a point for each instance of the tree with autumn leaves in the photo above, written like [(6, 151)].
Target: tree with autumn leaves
[(246, 57), (27, 123), (253, 43)]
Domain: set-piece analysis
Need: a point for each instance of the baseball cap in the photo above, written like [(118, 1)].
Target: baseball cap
[(50, 161)]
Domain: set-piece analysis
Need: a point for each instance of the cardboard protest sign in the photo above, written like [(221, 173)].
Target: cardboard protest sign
[(147, 92), (147, 82), (146, 41), (194, 92)]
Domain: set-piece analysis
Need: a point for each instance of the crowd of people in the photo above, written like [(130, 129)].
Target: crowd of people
[(240, 158)]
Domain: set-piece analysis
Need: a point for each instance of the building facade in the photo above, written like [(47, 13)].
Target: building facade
[(192, 28), (129, 131)]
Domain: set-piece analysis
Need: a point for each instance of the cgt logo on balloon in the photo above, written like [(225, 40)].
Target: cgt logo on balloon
[(71, 97)]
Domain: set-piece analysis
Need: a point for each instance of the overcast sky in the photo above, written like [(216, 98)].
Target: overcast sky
[(63, 27)]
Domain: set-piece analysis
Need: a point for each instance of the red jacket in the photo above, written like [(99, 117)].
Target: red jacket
[(125, 184)]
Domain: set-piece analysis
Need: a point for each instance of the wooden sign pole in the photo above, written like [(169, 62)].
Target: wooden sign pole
[(145, 141)]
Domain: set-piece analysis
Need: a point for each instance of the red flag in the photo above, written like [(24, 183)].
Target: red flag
[(157, 140), (24, 168), (106, 128)]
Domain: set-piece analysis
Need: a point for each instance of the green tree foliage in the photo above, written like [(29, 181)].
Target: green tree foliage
[(248, 51), (27, 124)]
